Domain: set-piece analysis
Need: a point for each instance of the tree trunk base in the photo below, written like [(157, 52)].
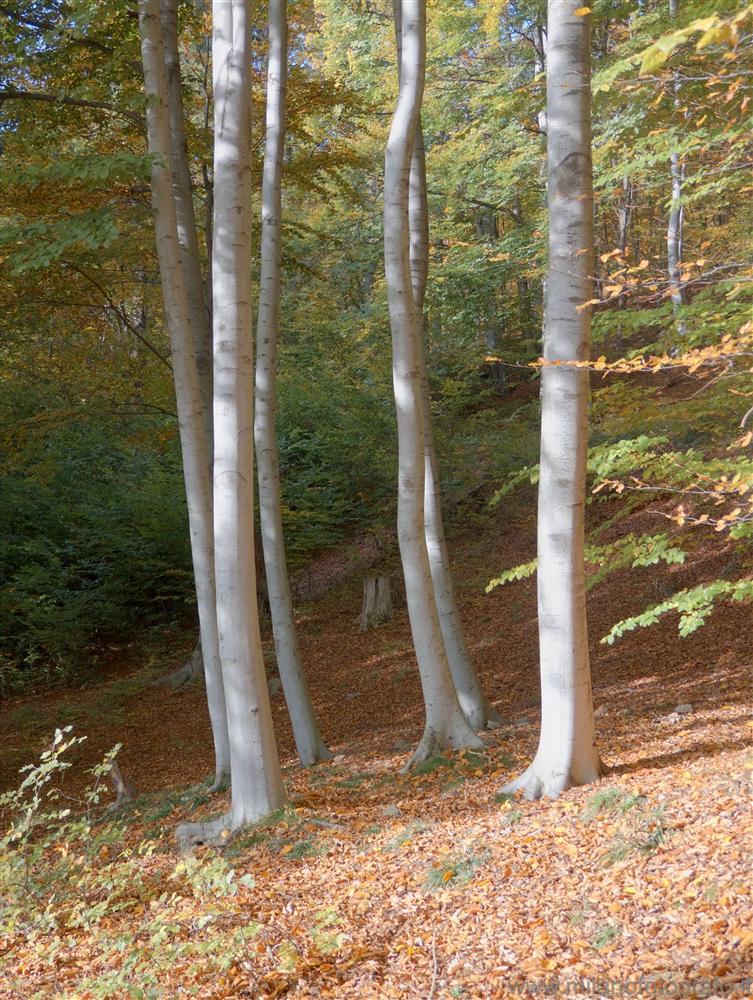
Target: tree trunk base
[(315, 755), (482, 717), (432, 743), (538, 782), (221, 782)]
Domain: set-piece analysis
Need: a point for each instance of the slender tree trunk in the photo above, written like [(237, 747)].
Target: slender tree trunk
[(624, 214), (473, 701), (446, 725), (256, 778), (201, 328), (186, 374), (567, 752), (186, 216), (674, 225), (308, 738)]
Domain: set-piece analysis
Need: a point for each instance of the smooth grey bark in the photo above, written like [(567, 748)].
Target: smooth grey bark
[(186, 216), (473, 701), (257, 787), (675, 221), (567, 752), (256, 778), (308, 739), (185, 369), (201, 329), (446, 724)]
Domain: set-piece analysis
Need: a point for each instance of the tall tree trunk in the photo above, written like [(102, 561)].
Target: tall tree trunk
[(624, 215), (187, 384), (446, 725), (308, 740), (674, 225), (473, 701), (566, 753), (256, 778), (186, 216)]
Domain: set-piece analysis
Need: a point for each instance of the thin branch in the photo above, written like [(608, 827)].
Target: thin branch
[(120, 314), (11, 94)]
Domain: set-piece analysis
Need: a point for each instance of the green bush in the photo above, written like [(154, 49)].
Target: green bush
[(95, 546)]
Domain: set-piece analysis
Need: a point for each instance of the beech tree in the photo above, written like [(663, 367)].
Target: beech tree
[(473, 701), (567, 752), (164, 128), (308, 740), (446, 725), (255, 770), (256, 778)]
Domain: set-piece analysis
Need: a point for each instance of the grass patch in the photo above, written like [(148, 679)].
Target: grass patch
[(404, 837), (643, 837), (606, 935), (611, 802), (456, 870), (433, 764)]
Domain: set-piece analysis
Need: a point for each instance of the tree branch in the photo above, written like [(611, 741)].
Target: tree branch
[(120, 314), (11, 94)]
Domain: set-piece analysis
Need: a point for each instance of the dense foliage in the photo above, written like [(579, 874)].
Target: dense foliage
[(90, 488)]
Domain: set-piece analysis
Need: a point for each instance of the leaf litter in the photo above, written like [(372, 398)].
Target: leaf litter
[(376, 884)]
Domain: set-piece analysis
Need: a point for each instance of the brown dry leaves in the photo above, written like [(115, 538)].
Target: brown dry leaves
[(377, 885)]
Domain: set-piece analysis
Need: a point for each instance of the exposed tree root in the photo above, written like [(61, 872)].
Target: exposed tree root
[(221, 782), (538, 781), (432, 743), (194, 667), (213, 833)]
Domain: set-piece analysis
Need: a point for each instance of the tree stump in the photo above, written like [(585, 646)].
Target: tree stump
[(381, 596)]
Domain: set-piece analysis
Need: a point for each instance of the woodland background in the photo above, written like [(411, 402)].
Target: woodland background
[(95, 540), (372, 882)]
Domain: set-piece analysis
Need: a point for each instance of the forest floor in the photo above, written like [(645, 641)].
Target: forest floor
[(378, 884)]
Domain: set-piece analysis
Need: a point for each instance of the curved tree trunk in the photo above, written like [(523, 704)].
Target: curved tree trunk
[(256, 779), (567, 752), (308, 740), (446, 725), (187, 385), (473, 701)]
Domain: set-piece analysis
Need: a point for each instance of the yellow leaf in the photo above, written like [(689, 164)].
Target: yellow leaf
[(582, 11)]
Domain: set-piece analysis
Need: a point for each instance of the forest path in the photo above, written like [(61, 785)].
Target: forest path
[(378, 884)]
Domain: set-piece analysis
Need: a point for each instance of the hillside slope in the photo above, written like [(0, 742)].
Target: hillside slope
[(378, 884)]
